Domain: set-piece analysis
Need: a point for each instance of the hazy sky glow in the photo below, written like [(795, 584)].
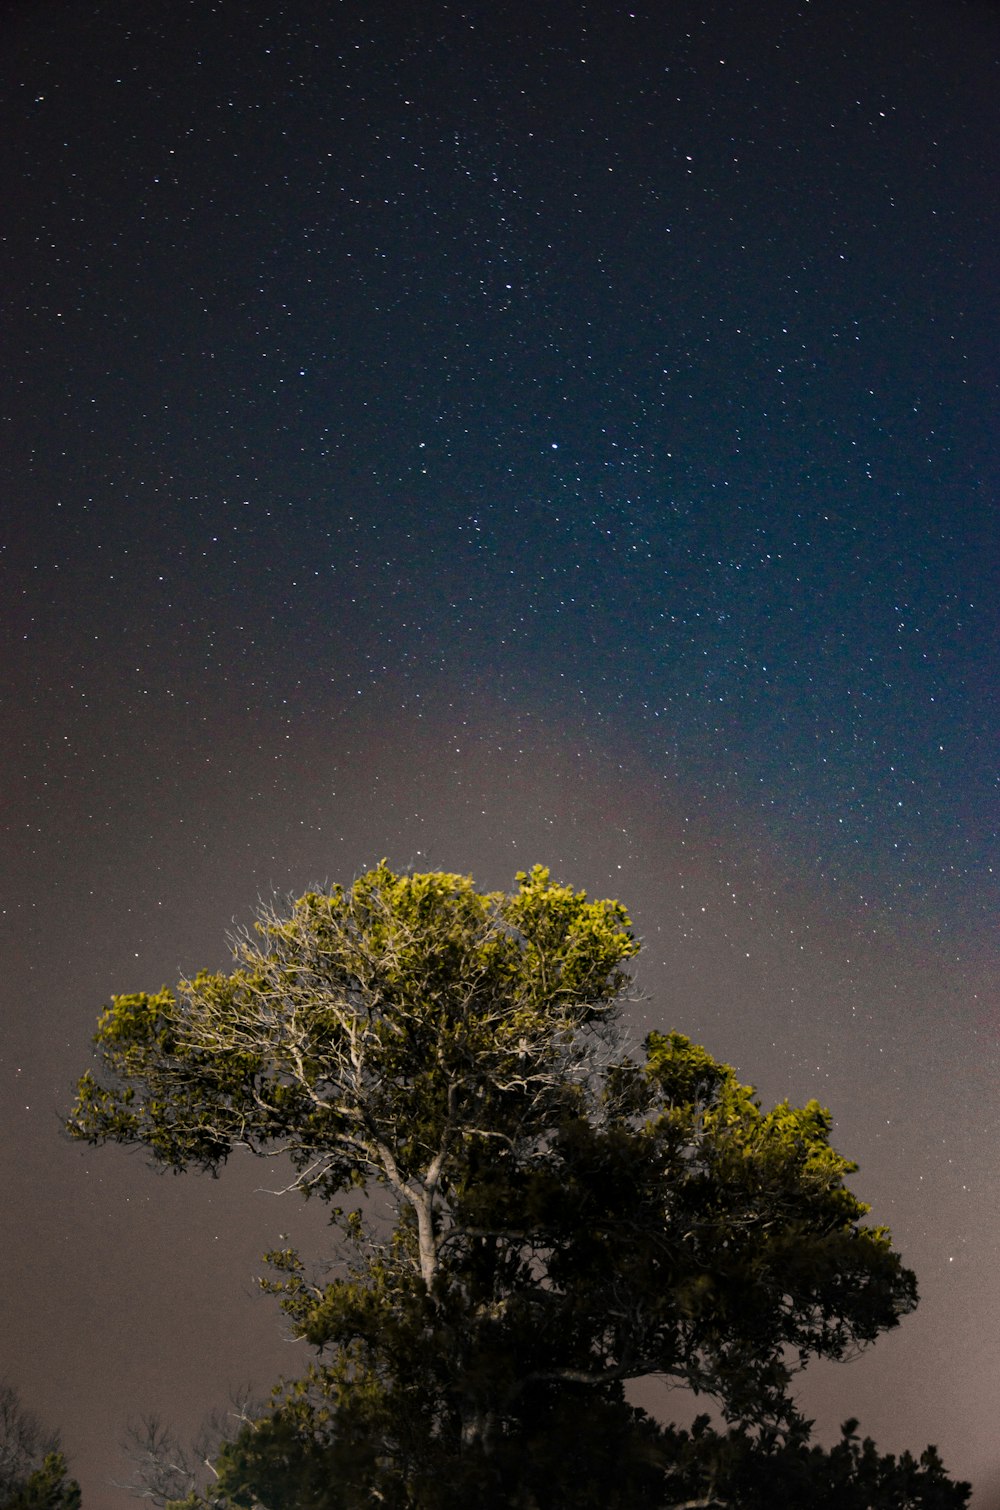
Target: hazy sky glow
[(478, 437)]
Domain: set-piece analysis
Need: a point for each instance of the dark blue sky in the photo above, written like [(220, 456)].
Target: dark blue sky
[(482, 434)]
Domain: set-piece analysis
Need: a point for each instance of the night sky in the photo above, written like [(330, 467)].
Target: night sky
[(487, 434)]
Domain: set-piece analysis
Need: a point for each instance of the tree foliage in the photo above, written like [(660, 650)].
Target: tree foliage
[(528, 1216), (24, 1441), (47, 1488), (33, 1471), (165, 1469)]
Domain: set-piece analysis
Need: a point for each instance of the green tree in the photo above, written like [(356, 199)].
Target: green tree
[(32, 1468), (529, 1216), (47, 1488)]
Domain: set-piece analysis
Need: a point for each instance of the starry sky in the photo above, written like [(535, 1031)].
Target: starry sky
[(486, 434)]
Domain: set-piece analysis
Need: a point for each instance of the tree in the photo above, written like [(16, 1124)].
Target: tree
[(33, 1471), (48, 1488), (165, 1469), (24, 1441), (528, 1217), (735, 1469)]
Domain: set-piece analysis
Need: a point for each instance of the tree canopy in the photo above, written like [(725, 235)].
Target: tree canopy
[(528, 1216)]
